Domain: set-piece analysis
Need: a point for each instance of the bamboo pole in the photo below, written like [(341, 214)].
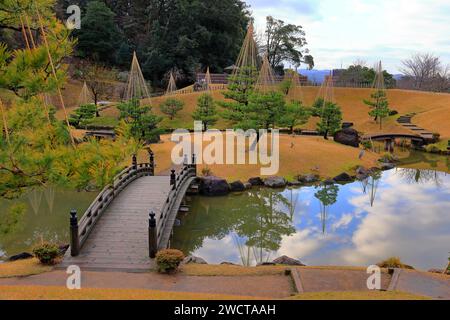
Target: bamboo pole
[(5, 122), (29, 31), (54, 75), (24, 33)]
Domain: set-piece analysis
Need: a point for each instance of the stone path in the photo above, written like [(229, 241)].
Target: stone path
[(405, 121), (425, 284)]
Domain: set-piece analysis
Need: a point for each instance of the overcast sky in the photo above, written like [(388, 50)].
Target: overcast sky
[(339, 32)]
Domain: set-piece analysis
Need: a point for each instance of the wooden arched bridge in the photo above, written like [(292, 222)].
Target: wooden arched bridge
[(389, 139), (130, 220)]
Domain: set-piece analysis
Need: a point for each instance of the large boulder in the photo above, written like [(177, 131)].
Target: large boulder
[(343, 177), (21, 256), (275, 182), (237, 186), (387, 166), (347, 136), (194, 260), (256, 181), (308, 178), (213, 186), (287, 261)]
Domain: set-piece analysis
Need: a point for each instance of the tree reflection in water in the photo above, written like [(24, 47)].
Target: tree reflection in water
[(327, 195), (257, 220), (414, 176)]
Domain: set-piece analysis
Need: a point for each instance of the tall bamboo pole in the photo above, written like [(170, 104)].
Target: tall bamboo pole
[(44, 36), (5, 122)]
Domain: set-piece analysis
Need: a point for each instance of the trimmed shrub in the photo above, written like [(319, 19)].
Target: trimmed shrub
[(394, 262), (367, 145), (46, 253), (168, 260), (432, 148), (393, 112)]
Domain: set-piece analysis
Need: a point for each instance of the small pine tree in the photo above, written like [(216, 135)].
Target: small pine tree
[(316, 108), (296, 114), (83, 113), (330, 120), (379, 105), (206, 111), (144, 124), (171, 107)]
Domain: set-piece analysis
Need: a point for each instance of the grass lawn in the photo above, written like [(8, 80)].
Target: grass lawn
[(363, 295), (298, 155), (62, 293), (22, 268)]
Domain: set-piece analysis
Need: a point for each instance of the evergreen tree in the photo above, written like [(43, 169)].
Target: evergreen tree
[(264, 110), (240, 87), (379, 105), (316, 108), (206, 111), (83, 113), (171, 107), (99, 37), (144, 124), (330, 119), (295, 115)]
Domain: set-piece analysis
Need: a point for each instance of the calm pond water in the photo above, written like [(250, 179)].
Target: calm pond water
[(44, 214), (402, 212)]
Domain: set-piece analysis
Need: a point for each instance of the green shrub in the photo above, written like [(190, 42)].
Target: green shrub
[(394, 262), (432, 148), (388, 158), (46, 253), (366, 144), (168, 260)]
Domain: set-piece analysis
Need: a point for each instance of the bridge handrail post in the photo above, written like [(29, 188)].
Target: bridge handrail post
[(152, 162), (134, 162), (152, 236), (194, 163), (173, 179), (74, 235)]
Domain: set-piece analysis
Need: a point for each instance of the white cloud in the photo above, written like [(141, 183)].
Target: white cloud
[(342, 31)]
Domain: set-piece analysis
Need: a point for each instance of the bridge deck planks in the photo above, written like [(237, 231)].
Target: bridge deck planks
[(119, 240)]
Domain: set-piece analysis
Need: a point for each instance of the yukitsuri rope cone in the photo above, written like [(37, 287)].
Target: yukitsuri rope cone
[(248, 56), (208, 80), (378, 83), (85, 96), (5, 122), (266, 78), (295, 92), (137, 87), (172, 86)]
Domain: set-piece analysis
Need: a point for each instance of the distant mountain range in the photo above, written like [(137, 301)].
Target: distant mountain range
[(318, 76)]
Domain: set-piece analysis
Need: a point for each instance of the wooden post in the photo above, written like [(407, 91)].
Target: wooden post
[(194, 164), (173, 179), (74, 238), (152, 162), (152, 236), (134, 162)]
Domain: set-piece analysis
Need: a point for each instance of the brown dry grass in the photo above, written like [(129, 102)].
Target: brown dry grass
[(62, 293), (308, 155), (363, 295), (22, 268)]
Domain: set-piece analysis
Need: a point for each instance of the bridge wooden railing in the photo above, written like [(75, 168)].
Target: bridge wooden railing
[(80, 229), (158, 226)]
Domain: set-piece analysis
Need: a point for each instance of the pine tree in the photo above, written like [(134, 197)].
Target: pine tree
[(171, 107), (295, 115), (206, 111), (330, 119), (379, 105)]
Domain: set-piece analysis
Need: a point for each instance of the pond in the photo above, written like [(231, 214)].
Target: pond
[(402, 212), (38, 214)]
